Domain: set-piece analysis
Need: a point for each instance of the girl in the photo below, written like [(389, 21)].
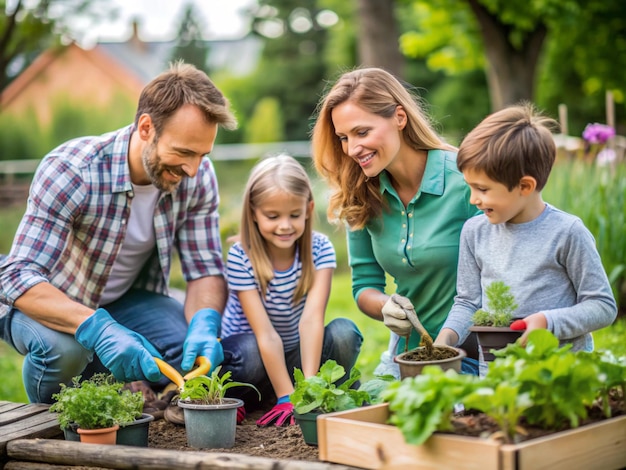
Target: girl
[(279, 278)]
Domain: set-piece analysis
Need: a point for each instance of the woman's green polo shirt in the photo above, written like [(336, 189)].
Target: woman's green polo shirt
[(418, 246)]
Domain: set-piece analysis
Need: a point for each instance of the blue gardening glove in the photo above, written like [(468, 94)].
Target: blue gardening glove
[(128, 355), (201, 339), (280, 415)]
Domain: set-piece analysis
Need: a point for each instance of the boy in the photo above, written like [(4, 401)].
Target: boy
[(547, 257)]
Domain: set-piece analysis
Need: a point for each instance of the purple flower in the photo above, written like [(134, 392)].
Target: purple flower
[(598, 133)]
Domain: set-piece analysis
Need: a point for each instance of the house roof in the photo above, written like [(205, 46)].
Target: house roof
[(135, 62)]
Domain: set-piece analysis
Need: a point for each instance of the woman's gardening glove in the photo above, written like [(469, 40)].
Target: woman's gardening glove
[(201, 339), (128, 355), (395, 315), (280, 415)]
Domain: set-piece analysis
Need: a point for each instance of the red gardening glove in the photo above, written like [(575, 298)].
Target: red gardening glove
[(518, 325), (280, 415)]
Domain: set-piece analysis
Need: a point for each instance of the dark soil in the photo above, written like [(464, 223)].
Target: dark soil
[(287, 442), (438, 353), (270, 442)]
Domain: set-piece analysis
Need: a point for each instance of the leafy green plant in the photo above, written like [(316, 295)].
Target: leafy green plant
[(210, 390), (500, 306), (321, 393), (425, 403), (99, 402), (532, 385)]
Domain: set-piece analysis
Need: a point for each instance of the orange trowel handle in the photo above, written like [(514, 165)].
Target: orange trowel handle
[(203, 363)]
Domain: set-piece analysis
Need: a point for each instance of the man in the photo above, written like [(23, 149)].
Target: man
[(85, 286)]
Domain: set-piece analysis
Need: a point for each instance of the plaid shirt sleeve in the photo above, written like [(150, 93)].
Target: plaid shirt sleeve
[(41, 237)]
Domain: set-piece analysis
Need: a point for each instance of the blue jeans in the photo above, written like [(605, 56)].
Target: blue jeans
[(342, 342), (52, 357)]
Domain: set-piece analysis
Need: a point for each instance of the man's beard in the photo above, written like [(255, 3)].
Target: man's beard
[(154, 169)]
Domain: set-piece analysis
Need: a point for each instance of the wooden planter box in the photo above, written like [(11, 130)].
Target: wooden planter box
[(361, 438)]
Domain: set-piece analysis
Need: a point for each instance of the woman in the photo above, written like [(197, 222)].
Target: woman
[(395, 184)]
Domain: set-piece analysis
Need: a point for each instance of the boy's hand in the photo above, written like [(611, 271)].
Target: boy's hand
[(535, 321)]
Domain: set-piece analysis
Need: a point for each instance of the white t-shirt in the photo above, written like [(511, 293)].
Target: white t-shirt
[(138, 243)]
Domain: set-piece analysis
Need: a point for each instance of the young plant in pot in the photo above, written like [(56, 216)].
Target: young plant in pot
[(96, 407), (493, 326), (211, 417), (320, 394), (412, 362)]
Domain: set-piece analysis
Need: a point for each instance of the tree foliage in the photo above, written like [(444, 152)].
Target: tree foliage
[(29, 28), (515, 41), (190, 46)]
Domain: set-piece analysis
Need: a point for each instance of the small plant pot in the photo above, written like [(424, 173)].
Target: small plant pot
[(308, 426), (412, 368), (494, 337), (211, 426), (132, 434), (98, 436)]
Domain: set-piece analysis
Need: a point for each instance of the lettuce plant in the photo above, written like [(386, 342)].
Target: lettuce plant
[(543, 384), (321, 393)]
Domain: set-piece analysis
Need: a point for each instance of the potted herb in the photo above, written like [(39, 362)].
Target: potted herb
[(545, 405), (320, 394), (493, 325), (210, 417), (96, 406)]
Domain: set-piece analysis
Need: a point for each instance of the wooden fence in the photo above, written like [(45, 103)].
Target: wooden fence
[(15, 175)]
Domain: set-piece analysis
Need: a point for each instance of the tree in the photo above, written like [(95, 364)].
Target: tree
[(190, 46), (511, 34), (292, 68), (378, 36), (27, 29)]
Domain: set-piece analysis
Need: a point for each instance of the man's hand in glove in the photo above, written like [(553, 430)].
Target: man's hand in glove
[(280, 415), (395, 315), (128, 355), (201, 340)]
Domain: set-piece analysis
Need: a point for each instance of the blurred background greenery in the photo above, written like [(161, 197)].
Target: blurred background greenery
[(463, 58)]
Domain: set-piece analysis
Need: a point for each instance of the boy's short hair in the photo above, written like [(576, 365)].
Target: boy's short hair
[(509, 144)]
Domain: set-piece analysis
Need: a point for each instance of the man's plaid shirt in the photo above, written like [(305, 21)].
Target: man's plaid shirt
[(76, 219)]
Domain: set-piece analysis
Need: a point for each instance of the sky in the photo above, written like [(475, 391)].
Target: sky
[(159, 19)]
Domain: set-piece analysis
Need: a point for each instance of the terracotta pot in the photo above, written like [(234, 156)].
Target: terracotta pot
[(494, 337), (98, 436), (411, 368), (131, 434)]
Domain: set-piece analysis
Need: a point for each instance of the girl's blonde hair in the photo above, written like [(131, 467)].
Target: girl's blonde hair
[(281, 173), (356, 199)]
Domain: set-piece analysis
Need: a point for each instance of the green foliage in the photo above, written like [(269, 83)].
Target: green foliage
[(597, 195), (210, 390), (266, 123), (543, 384), (99, 402), (424, 404), (11, 387), (321, 393), (190, 45), (500, 306), (28, 28)]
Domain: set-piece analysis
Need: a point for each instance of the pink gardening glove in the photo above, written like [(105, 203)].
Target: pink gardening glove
[(280, 415)]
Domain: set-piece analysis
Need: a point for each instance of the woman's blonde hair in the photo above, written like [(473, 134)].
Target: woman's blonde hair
[(356, 199), (281, 173)]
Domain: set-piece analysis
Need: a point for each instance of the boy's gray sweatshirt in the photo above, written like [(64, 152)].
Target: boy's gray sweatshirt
[(551, 265)]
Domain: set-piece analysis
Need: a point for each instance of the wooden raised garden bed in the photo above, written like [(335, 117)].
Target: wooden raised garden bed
[(361, 438)]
